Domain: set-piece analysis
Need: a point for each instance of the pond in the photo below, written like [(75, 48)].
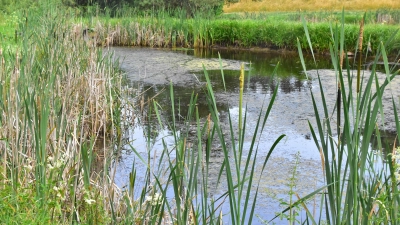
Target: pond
[(152, 71)]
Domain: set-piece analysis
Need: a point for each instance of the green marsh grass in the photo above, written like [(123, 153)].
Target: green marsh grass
[(159, 29), (58, 98), (361, 185)]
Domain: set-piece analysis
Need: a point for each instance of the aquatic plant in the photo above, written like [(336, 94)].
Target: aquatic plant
[(361, 185)]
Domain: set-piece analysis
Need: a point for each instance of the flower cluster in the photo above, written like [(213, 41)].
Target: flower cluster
[(155, 199), (396, 162), (53, 164)]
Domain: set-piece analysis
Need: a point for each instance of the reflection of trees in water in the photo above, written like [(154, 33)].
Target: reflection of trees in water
[(288, 85), (387, 141), (266, 61), (261, 84), (182, 99), (256, 83), (268, 84)]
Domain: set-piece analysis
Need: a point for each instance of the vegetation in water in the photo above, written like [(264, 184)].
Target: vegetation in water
[(361, 185)]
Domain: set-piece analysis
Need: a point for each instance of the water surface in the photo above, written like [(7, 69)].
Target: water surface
[(151, 73)]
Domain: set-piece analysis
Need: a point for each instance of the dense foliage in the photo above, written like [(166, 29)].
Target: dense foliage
[(190, 6), (8, 6)]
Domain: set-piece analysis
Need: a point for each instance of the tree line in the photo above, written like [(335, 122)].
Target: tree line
[(190, 6)]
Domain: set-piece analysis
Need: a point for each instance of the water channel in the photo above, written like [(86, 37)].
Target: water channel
[(151, 71)]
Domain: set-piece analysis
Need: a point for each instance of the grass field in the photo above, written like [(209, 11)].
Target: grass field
[(309, 5)]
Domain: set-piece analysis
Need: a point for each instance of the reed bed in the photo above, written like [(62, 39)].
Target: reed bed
[(58, 100), (61, 96), (272, 31)]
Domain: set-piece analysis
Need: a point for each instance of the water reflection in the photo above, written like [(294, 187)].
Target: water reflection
[(260, 84), (262, 77), (182, 97), (290, 114), (263, 70)]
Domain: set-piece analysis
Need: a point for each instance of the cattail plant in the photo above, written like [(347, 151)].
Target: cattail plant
[(360, 44), (57, 100), (353, 183)]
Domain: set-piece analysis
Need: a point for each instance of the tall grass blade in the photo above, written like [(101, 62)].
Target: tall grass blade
[(307, 36), (222, 71)]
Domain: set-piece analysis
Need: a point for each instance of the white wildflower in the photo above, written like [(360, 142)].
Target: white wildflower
[(28, 168), (90, 201), (59, 163), (396, 158), (156, 199), (50, 166)]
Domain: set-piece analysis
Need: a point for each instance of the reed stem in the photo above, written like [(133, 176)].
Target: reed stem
[(360, 43)]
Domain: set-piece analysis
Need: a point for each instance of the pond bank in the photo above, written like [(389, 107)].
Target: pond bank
[(162, 31)]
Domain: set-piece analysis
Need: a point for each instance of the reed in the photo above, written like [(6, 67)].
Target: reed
[(357, 190), (276, 31), (58, 97)]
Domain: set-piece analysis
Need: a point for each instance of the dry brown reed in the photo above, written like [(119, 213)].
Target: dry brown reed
[(67, 76), (309, 5), (139, 34)]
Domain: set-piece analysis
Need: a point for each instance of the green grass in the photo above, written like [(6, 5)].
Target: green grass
[(273, 30), (8, 27)]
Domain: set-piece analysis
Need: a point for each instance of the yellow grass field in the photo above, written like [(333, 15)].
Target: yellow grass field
[(309, 5)]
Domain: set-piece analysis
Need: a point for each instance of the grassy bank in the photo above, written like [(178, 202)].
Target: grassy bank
[(246, 30), (276, 31)]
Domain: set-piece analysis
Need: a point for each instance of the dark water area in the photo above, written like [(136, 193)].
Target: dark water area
[(152, 73), (264, 70)]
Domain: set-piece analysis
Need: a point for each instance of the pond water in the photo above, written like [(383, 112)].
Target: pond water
[(151, 72)]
